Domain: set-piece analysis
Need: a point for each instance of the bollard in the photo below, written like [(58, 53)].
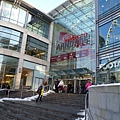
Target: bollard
[(21, 94), (8, 93), (33, 93)]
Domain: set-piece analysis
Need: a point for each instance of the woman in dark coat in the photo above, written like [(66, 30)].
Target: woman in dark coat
[(40, 92)]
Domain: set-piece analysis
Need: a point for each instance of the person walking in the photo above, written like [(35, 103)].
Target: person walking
[(82, 87), (40, 92), (8, 88), (69, 86), (56, 86), (88, 84), (61, 85)]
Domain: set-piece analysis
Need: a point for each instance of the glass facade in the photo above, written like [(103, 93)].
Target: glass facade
[(8, 67), (24, 18), (10, 39), (104, 74), (109, 38), (74, 39), (38, 26), (14, 14), (17, 16), (32, 74), (106, 5), (36, 48), (109, 41)]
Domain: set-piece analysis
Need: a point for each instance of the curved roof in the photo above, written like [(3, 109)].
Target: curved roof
[(77, 16)]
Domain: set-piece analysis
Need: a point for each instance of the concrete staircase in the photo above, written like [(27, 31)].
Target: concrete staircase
[(55, 106), (68, 100)]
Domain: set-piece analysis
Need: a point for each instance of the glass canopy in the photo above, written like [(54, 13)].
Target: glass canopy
[(77, 16), (74, 20)]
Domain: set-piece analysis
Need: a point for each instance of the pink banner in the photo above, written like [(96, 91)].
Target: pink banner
[(69, 56)]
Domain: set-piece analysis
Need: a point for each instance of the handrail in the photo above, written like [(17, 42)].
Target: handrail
[(86, 106), (48, 87), (87, 109)]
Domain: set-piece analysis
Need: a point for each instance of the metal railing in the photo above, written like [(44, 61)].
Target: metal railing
[(87, 109), (46, 88)]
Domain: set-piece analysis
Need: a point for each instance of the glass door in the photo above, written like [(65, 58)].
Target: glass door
[(37, 82)]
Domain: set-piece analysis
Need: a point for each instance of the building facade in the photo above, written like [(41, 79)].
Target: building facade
[(73, 51), (25, 44), (108, 40)]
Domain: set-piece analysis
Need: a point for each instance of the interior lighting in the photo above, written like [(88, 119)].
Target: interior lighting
[(42, 53), (9, 75), (102, 5)]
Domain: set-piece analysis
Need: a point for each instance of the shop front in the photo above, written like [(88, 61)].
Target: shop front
[(32, 75), (109, 73), (76, 77)]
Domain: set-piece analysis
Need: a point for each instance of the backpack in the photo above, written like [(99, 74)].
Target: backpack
[(42, 91)]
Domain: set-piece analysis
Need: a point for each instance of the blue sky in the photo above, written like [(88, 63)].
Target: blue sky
[(45, 5)]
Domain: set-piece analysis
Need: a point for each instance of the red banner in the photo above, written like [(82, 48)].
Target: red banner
[(69, 56)]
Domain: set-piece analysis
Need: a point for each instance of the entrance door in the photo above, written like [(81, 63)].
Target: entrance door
[(37, 82), (27, 78)]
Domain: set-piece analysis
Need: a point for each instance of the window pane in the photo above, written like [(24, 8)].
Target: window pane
[(36, 48), (14, 13), (15, 32), (7, 30), (6, 35), (10, 38), (14, 37), (13, 42), (22, 15), (6, 10), (13, 47), (38, 26)]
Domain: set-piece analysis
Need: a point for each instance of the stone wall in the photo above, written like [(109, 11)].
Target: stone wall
[(104, 102)]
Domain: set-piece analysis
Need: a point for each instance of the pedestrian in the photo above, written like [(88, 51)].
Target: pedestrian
[(69, 86), (61, 85), (56, 86), (82, 87), (88, 84), (112, 78), (7, 87), (40, 92)]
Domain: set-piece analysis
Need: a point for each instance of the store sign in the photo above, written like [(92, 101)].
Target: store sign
[(67, 41), (70, 56), (111, 65)]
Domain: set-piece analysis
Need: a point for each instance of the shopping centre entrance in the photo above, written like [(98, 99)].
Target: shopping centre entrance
[(77, 78)]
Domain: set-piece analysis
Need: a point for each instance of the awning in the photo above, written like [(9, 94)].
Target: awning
[(60, 72), (70, 72), (77, 71)]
